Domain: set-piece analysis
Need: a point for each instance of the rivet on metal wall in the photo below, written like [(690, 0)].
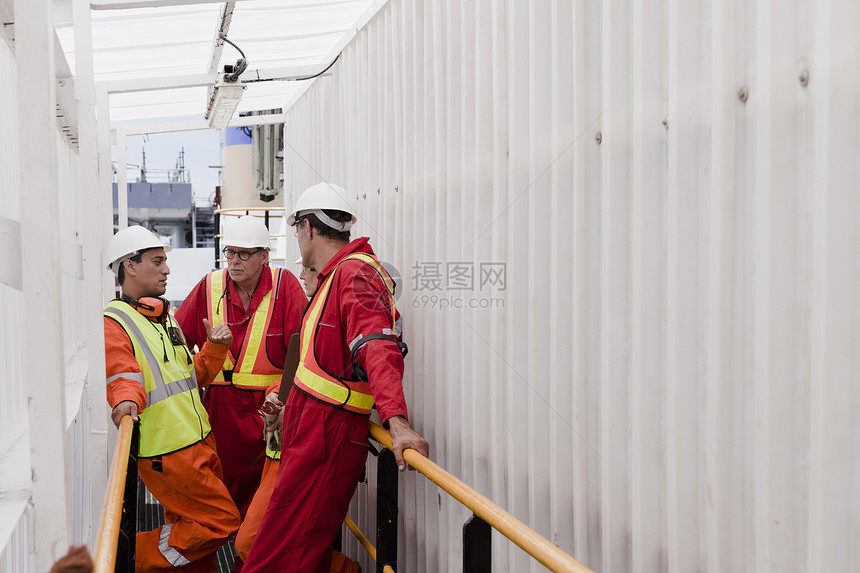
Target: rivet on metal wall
[(598, 138), (378, 191), (396, 188), (743, 94), (804, 77), (665, 122), (364, 195)]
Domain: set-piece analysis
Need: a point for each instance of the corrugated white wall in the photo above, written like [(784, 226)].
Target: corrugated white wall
[(667, 380), (13, 392), (13, 408), (16, 542)]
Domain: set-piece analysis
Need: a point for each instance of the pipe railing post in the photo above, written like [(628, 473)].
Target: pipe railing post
[(477, 545), (128, 522), (386, 511)]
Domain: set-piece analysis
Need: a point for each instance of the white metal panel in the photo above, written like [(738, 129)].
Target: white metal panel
[(14, 418), (94, 230), (13, 406), (41, 236), (669, 383), (15, 556), (37, 342), (81, 477), (13, 392), (833, 438)]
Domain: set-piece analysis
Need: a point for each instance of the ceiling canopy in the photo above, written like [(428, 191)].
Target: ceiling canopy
[(160, 59)]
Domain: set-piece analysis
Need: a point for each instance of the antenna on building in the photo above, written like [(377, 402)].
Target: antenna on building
[(143, 165)]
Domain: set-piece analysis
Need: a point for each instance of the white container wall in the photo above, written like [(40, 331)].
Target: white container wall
[(45, 484), (626, 233)]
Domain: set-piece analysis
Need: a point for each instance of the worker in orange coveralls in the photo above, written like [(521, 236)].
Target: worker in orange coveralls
[(251, 523), (152, 377), (262, 306), (349, 358)]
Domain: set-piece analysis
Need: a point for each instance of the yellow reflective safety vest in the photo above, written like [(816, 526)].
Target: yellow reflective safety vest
[(174, 417), (252, 369), (352, 395), (270, 453)]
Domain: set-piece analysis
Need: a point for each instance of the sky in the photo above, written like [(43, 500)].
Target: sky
[(202, 149)]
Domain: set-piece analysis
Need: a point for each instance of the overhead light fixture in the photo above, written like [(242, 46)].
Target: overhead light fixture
[(223, 103)]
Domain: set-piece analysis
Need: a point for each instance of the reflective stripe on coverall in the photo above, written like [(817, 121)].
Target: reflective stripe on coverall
[(174, 417), (233, 410), (252, 369), (324, 447), (352, 395), (199, 512)]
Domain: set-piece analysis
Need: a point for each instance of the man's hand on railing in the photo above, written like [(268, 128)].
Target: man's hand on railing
[(403, 437), (126, 407)]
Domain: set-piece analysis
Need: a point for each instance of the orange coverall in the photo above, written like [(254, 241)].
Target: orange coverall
[(198, 509)]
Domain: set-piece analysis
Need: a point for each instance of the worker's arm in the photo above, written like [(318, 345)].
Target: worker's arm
[(366, 304), (369, 308), (210, 359), (125, 387)]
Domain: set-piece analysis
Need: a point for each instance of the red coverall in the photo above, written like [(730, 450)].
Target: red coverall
[(233, 411), (324, 448), (197, 507), (251, 524)]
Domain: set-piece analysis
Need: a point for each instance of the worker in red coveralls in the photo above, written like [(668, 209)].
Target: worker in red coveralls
[(248, 530), (152, 377), (262, 306), (349, 359)]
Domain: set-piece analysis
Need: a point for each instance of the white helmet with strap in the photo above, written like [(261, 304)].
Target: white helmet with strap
[(130, 242), (324, 196)]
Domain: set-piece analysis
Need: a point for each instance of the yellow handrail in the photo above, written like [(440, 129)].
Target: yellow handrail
[(104, 560), (505, 523), (362, 538)]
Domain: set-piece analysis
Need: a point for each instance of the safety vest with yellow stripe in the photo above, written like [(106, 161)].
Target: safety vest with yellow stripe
[(352, 395), (252, 370), (174, 417)]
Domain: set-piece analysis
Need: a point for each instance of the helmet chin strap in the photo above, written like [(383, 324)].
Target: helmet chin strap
[(341, 226), (150, 306)]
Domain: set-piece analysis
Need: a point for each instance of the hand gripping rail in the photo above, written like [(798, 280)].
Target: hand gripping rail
[(505, 523)]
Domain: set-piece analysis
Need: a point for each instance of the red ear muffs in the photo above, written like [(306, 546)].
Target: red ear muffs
[(151, 306)]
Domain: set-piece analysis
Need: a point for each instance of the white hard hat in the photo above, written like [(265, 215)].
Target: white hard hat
[(247, 232), (128, 242), (324, 196)]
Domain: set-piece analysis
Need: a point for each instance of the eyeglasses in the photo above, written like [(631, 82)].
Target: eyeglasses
[(243, 255), (297, 223)]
